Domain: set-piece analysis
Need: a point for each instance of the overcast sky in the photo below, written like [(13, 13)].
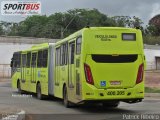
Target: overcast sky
[(145, 9)]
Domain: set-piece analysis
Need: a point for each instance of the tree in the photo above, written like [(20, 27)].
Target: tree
[(1, 30), (6, 27), (154, 26), (64, 24), (31, 26), (127, 21)]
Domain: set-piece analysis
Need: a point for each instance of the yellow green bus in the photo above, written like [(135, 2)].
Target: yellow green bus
[(95, 64)]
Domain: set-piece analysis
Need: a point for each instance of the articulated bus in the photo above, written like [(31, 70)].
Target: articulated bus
[(96, 64)]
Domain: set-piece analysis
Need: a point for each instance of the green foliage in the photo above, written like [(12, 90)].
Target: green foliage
[(60, 25), (151, 40), (5, 27), (1, 30), (127, 21), (152, 90), (152, 31), (154, 26)]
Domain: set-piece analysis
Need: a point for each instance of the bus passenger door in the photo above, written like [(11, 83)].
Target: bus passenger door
[(77, 69), (71, 73), (23, 72), (33, 68), (57, 73)]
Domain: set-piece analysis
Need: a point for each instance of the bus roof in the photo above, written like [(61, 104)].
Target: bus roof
[(79, 33), (38, 46)]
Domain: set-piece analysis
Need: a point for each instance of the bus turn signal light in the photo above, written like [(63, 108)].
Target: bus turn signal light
[(88, 74), (140, 74)]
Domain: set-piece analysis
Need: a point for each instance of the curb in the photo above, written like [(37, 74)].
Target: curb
[(21, 115), (17, 116), (152, 94)]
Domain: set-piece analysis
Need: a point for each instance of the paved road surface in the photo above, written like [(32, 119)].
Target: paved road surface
[(53, 109)]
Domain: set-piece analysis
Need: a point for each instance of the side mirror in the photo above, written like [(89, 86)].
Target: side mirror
[(11, 64)]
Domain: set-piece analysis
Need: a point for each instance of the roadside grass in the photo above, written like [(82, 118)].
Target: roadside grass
[(152, 90)]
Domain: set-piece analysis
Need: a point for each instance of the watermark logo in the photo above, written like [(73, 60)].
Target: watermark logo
[(20, 7), (141, 116)]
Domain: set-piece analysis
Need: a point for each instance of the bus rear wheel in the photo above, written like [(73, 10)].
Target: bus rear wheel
[(110, 104), (66, 102), (19, 87), (39, 93)]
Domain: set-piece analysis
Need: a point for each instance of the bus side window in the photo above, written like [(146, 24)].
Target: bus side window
[(28, 59), (78, 45), (24, 60), (64, 54), (61, 55), (65, 49), (17, 60), (72, 47), (45, 58), (57, 56), (40, 58), (34, 56)]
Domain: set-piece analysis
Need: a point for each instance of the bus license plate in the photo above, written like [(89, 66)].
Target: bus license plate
[(116, 93)]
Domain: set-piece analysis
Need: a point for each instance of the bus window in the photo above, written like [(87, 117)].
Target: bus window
[(129, 36), (58, 56), (24, 61), (16, 60), (66, 53), (28, 59), (40, 59), (78, 45), (45, 58), (33, 63), (57, 72), (71, 57), (61, 55)]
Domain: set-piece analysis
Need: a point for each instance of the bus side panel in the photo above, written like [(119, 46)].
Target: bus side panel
[(42, 77), (16, 75)]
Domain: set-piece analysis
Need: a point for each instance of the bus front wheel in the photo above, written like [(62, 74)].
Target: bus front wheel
[(111, 104), (67, 104), (19, 87), (39, 93)]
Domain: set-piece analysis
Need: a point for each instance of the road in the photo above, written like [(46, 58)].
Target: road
[(11, 101)]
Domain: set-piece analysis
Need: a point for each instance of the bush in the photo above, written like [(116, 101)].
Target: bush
[(151, 40)]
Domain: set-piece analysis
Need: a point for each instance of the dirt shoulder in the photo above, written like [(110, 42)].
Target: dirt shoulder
[(152, 79), (5, 79)]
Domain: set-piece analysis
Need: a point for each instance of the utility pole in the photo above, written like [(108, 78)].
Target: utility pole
[(63, 30)]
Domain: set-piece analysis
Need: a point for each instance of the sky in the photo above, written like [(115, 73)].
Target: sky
[(144, 9)]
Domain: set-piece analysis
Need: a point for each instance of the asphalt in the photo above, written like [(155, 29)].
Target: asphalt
[(49, 109)]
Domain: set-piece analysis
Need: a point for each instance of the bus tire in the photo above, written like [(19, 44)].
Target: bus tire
[(38, 91), (19, 87), (110, 104), (67, 104)]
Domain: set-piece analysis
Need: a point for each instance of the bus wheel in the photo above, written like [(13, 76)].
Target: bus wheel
[(67, 104), (39, 94), (111, 104), (19, 87)]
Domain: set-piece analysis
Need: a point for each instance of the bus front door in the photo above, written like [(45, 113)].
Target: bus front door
[(33, 71), (23, 72), (71, 73)]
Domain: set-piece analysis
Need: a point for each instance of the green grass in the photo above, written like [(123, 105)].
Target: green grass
[(152, 90)]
